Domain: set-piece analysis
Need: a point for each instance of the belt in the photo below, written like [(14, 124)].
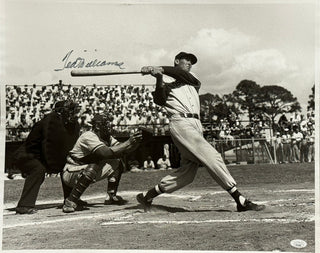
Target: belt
[(189, 115)]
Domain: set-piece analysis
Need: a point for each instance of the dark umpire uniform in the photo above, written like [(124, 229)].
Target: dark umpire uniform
[(45, 151)]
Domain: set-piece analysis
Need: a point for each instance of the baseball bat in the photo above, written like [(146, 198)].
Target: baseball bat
[(95, 72)]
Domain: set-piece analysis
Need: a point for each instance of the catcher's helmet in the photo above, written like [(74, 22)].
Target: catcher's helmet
[(102, 124), (101, 120)]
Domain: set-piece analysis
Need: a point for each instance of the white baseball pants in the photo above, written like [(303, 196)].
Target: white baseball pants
[(195, 150)]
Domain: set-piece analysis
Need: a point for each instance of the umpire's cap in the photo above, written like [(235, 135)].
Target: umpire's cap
[(66, 107), (188, 56), (66, 104)]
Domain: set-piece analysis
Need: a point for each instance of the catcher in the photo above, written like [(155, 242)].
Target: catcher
[(96, 156), (45, 151)]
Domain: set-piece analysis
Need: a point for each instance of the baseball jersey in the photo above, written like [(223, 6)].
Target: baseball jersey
[(182, 93), (184, 99), (86, 145)]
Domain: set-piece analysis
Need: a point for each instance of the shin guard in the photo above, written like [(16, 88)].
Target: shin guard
[(83, 183)]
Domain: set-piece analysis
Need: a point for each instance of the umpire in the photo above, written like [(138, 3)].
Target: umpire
[(45, 151)]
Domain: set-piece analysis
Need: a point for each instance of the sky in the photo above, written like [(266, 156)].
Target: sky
[(271, 43)]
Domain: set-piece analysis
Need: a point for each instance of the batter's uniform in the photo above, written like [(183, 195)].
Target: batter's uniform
[(81, 158), (183, 107)]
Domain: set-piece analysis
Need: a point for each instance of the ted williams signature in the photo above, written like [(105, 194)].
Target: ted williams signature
[(83, 63)]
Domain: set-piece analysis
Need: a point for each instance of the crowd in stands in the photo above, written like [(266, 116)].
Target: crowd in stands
[(133, 106), (130, 106)]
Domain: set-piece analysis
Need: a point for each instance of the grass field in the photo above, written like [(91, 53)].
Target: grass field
[(200, 216)]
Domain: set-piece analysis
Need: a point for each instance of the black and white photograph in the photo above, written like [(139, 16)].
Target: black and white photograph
[(159, 125)]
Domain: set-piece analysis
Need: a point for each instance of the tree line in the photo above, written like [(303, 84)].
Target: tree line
[(249, 98)]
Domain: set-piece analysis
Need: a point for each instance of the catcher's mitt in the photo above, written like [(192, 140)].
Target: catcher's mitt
[(147, 133)]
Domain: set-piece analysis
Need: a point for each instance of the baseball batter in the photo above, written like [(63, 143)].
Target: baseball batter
[(95, 156), (181, 100)]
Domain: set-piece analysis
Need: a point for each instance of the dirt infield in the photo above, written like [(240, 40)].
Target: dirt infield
[(199, 217)]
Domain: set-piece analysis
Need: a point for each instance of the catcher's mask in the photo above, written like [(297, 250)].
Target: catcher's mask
[(68, 109), (103, 124)]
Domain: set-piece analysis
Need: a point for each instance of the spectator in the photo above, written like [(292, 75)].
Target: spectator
[(166, 150), (148, 164), (297, 118), (303, 124), (12, 121), (286, 141), (296, 142), (303, 150), (134, 166), (164, 163), (279, 147), (310, 141)]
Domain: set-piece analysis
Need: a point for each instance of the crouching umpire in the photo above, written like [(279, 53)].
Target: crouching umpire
[(96, 156), (45, 151)]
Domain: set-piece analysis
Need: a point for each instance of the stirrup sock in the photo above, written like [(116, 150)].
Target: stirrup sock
[(237, 196), (152, 193)]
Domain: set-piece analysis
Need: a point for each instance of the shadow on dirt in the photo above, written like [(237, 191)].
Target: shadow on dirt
[(42, 207), (163, 208), (170, 209), (52, 206)]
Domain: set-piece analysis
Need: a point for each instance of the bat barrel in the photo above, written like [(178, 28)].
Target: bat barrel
[(96, 72)]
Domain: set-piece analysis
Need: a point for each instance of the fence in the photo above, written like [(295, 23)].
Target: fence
[(238, 151)]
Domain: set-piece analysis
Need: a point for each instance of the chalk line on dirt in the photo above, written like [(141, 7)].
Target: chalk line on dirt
[(181, 222), (115, 215), (184, 195), (120, 221)]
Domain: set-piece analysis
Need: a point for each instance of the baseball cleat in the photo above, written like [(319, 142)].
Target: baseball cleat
[(82, 203), (146, 204), (115, 200), (69, 206), (250, 206), (26, 210)]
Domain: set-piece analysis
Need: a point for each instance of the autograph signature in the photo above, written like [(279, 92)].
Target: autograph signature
[(82, 63)]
